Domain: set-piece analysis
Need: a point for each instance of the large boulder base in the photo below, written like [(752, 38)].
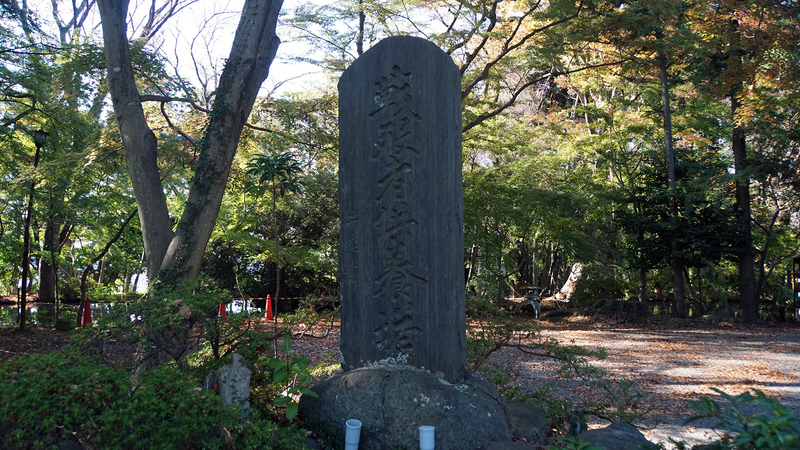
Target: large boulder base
[(392, 403)]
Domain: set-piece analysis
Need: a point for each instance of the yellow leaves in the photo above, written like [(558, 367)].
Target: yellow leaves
[(691, 138)]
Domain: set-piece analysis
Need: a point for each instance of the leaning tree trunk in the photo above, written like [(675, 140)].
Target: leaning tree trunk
[(568, 289)]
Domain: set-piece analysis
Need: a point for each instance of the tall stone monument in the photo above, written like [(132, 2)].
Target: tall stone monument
[(401, 241)]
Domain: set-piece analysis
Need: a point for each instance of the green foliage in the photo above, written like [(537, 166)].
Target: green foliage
[(278, 171), (291, 376), (48, 397), (166, 315), (314, 311), (755, 421)]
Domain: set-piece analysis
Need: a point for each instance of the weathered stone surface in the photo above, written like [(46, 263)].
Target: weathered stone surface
[(527, 422), (401, 241), (515, 445), (617, 436), (234, 383), (393, 401)]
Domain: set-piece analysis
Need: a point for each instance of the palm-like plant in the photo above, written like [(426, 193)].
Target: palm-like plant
[(276, 172)]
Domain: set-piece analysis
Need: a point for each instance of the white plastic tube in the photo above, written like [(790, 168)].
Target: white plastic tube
[(352, 434), (426, 437)]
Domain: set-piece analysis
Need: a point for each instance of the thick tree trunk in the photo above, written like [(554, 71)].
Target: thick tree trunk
[(47, 269), (176, 257), (55, 236), (138, 139), (247, 67), (677, 264), (748, 302), (26, 247)]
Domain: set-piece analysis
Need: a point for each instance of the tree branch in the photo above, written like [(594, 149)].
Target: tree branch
[(508, 48), (516, 93)]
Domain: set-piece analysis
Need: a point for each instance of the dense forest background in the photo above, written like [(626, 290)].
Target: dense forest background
[(645, 150)]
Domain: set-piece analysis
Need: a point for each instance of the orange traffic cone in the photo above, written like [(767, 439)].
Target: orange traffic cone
[(87, 314), (269, 308), (222, 312)]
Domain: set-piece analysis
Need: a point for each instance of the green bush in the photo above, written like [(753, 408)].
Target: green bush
[(772, 426), (51, 397)]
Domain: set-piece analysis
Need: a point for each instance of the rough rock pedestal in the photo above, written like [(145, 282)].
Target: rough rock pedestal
[(392, 401)]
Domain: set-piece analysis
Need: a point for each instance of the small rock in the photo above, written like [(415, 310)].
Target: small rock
[(527, 422), (617, 436), (64, 324), (234, 383)]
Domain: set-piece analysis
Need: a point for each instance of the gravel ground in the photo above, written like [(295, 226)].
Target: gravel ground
[(674, 362)]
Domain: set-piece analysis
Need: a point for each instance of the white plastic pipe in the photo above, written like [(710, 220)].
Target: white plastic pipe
[(352, 434), (426, 437)]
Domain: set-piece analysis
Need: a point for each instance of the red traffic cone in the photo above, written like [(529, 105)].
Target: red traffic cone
[(87, 314), (222, 312), (269, 308)]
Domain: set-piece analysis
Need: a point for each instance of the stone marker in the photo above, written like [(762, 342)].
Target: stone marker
[(401, 244), (234, 383)]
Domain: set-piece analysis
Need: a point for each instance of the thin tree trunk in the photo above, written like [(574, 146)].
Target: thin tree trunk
[(89, 268), (642, 272), (362, 17), (473, 261), (677, 264), (277, 249)]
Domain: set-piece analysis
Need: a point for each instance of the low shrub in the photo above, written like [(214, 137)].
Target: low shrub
[(770, 425), (68, 395), (493, 328)]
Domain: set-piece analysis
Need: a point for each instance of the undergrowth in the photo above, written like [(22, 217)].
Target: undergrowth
[(492, 328)]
